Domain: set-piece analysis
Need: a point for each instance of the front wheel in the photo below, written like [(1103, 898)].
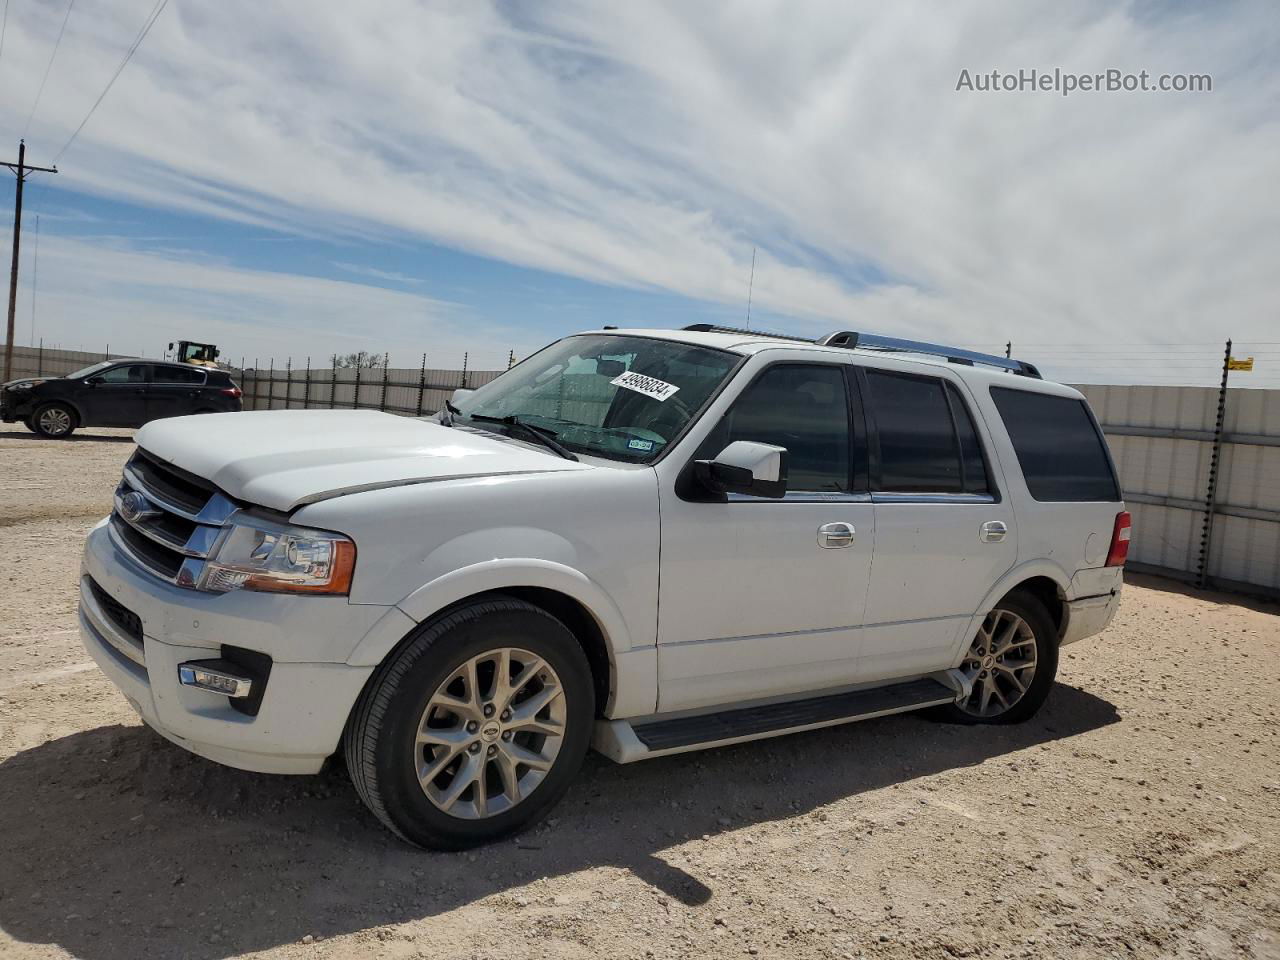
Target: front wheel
[(54, 421), (1011, 663), (476, 728)]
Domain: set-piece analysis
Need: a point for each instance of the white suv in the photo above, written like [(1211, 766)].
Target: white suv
[(648, 541)]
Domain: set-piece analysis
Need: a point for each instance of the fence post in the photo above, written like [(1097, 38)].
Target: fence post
[(40, 359), (422, 382), (511, 359), (257, 379), (464, 371), (355, 398), (1215, 460), (288, 381), (1008, 350), (306, 391), (107, 355), (271, 384), (382, 401)]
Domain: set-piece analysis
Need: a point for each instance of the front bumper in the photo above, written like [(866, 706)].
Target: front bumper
[(14, 407), (305, 704)]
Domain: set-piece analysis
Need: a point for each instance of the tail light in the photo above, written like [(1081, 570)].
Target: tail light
[(1119, 540), (230, 391)]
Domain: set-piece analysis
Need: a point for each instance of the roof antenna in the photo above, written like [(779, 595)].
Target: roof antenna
[(750, 286)]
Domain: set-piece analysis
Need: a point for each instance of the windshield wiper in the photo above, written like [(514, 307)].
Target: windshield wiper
[(544, 436)]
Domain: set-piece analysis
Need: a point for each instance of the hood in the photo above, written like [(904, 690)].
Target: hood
[(283, 459)]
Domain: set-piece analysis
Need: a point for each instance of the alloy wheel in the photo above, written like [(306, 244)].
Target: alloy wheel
[(490, 733), (1001, 663), (55, 421)]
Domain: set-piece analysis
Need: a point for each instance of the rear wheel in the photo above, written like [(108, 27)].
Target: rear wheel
[(1011, 664), (54, 421), (476, 728)]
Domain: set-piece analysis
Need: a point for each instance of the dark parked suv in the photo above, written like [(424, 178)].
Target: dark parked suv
[(117, 393)]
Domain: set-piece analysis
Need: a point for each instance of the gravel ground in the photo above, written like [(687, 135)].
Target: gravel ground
[(1137, 815)]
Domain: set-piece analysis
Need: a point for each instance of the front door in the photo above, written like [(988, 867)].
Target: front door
[(939, 522), (117, 397), (760, 597)]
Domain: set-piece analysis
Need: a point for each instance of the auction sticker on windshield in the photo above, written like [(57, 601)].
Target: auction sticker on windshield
[(650, 386)]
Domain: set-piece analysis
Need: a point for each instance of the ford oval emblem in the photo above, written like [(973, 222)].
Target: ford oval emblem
[(134, 506)]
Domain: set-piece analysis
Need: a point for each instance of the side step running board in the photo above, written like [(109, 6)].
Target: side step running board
[(624, 741)]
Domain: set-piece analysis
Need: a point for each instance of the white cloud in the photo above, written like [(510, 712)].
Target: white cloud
[(140, 300), (652, 145), (389, 275)]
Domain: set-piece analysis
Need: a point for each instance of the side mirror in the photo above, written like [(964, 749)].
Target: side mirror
[(93, 381), (744, 466), (460, 394)]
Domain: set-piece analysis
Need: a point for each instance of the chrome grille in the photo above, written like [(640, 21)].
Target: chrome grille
[(166, 519)]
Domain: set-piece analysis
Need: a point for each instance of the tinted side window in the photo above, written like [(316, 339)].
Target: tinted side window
[(176, 375), (130, 373), (803, 407), (971, 460), (919, 451), (1060, 450)]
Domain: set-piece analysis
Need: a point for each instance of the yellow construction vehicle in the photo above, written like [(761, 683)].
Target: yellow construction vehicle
[(199, 354)]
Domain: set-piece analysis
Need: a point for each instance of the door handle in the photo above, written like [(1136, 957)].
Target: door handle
[(993, 531), (833, 536)]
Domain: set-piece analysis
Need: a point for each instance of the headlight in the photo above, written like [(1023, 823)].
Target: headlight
[(260, 555), (27, 385)]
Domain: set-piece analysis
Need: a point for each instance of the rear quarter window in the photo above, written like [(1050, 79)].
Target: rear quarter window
[(1060, 449)]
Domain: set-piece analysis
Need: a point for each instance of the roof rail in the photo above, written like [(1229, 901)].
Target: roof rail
[(853, 340), (716, 328)]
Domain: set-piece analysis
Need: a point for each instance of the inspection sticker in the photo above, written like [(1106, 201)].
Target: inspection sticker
[(642, 445), (650, 386)]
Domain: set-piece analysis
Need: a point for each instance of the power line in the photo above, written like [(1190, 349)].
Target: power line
[(40, 92), (4, 26), (137, 42)]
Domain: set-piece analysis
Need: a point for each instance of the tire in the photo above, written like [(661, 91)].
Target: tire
[(54, 421), (986, 663), (415, 690)]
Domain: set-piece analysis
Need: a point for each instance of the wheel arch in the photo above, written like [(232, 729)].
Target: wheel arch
[(60, 401), (564, 593), (1044, 579), (1050, 595)]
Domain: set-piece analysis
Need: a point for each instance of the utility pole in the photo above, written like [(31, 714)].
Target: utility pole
[(20, 169)]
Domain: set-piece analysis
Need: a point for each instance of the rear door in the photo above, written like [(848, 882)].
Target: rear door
[(944, 531), (117, 397), (175, 391)]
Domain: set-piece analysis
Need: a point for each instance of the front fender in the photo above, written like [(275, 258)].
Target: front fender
[(496, 575)]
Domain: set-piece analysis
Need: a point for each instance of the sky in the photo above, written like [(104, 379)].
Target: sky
[(294, 179)]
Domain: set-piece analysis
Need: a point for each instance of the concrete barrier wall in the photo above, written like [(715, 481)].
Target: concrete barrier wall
[(1162, 439)]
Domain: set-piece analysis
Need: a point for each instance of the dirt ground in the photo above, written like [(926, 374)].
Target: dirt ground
[(1137, 816)]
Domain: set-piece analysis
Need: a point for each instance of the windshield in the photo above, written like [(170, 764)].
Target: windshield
[(89, 370), (620, 397)]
